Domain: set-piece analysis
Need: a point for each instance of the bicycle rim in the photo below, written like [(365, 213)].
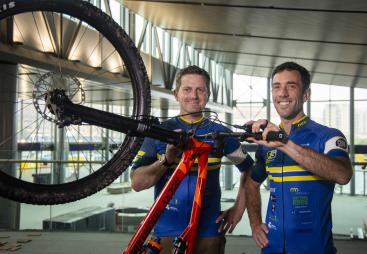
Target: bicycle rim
[(70, 45)]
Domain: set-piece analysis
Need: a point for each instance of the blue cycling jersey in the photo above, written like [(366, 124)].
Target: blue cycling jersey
[(177, 213), (299, 209)]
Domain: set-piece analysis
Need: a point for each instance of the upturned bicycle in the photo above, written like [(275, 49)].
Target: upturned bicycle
[(193, 149)]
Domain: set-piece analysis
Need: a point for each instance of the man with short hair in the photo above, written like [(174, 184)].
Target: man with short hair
[(302, 172), (156, 161)]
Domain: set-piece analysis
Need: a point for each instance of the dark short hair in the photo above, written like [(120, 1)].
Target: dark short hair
[(193, 69), (292, 66)]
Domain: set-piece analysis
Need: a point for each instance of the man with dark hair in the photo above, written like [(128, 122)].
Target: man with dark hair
[(302, 172), (291, 66), (156, 161)]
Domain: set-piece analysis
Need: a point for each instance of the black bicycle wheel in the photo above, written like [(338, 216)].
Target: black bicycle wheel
[(74, 46)]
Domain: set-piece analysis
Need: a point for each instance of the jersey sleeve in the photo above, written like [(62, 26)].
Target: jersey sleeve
[(237, 154), (258, 173), (335, 144), (146, 155)]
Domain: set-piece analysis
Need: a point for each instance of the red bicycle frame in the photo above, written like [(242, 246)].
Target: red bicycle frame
[(197, 150)]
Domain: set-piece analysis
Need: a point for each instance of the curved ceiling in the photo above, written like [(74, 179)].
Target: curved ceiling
[(250, 37)]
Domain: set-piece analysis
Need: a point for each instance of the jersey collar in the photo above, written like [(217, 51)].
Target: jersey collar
[(298, 123), (185, 120)]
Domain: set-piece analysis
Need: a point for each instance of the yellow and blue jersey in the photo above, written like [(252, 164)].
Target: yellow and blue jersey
[(177, 213), (299, 208)]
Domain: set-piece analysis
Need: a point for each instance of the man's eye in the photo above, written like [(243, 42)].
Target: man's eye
[(292, 86)]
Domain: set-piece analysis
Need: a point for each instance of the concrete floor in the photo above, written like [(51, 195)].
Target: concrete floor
[(348, 212), (114, 243)]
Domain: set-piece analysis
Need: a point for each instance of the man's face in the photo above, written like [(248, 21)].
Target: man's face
[(192, 94), (288, 97)]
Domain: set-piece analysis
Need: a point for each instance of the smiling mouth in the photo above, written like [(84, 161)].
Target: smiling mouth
[(284, 103)]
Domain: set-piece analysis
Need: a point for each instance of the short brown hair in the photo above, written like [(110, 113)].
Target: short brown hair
[(292, 66), (192, 69)]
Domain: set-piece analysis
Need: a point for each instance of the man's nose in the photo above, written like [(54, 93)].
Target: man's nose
[(283, 91), (194, 94)]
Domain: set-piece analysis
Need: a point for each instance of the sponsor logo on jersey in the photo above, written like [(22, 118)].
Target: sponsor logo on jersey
[(270, 155), (293, 189), (342, 143)]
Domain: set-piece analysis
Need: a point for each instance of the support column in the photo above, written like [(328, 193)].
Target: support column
[(268, 99), (309, 108), (10, 210), (132, 26), (126, 175), (164, 109), (351, 142), (228, 169), (61, 154), (268, 114), (106, 138)]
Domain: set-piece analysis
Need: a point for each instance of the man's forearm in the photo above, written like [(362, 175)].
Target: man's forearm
[(253, 202), (337, 170), (240, 202), (145, 177)]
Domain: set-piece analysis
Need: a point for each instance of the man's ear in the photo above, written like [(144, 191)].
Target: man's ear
[(306, 95), (175, 93)]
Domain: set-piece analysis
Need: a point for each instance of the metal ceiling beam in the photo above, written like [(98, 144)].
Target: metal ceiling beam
[(52, 32), (269, 7), (264, 37), (46, 61), (271, 67), (73, 39), (280, 56)]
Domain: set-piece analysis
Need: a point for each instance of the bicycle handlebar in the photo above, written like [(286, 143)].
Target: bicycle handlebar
[(242, 136)]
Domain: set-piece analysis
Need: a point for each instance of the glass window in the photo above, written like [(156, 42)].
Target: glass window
[(139, 24), (158, 42), (189, 59), (201, 59), (116, 11), (360, 116), (176, 47), (360, 138), (249, 94), (125, 19), (330, 106), (103, 5)]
